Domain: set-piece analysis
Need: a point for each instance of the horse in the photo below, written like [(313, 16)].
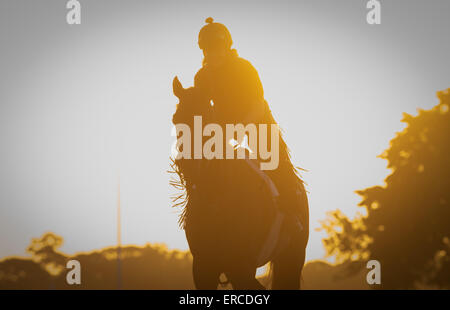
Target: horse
[(230, 215)]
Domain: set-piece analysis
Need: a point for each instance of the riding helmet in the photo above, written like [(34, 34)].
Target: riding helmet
[(214, 35)]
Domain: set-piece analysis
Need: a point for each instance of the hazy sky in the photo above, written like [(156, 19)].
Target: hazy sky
[(81, 105)]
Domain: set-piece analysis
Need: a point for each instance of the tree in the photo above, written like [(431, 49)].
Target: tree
[(44, 251), (406, 226)]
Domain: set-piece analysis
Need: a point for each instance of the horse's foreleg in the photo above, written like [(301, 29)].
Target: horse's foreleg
[(205, 273), (287, 267), (244, 279)]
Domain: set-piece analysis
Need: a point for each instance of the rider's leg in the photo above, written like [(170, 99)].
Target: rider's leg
[(288, 202)]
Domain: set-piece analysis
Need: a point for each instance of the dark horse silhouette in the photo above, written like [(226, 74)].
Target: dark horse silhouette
[(230, 215)]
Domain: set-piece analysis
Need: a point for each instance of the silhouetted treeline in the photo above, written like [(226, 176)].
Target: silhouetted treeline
[(142, 267), (407, 225)]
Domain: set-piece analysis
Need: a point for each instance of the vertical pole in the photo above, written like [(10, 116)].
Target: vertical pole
[(119, 241)]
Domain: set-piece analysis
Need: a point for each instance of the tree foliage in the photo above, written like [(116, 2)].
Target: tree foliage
[(407, 223)]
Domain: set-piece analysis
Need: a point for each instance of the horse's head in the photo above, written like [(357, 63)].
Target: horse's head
[(191, 103)]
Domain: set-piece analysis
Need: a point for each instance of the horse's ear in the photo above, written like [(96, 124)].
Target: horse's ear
[(177, 87)]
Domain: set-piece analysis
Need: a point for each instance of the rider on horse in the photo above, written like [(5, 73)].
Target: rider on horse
[(236, 92)]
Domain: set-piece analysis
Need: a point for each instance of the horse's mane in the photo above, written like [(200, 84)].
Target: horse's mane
[(180, 199)]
